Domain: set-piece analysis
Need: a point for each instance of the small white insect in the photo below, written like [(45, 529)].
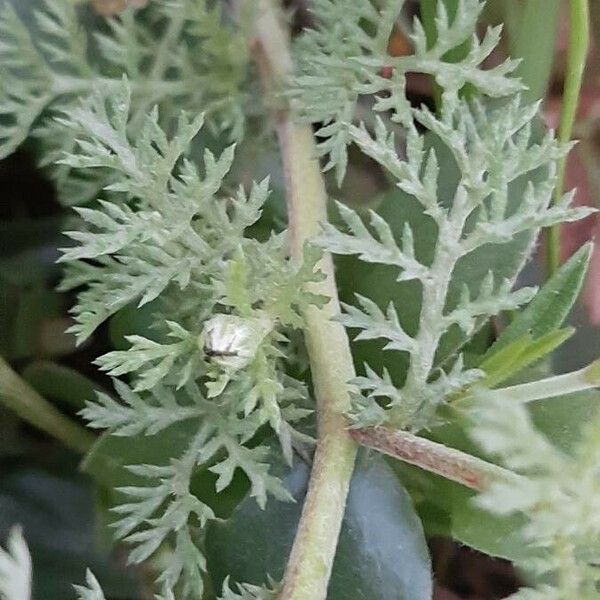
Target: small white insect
[(232, 341)]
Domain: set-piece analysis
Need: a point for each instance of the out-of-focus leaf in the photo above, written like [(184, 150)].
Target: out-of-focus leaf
[(57, 382), (32, 313), (483, 531), (531, 27), (58, 516), (32, 322), (562, 418), (131, 320), (447, 508), (28, 250), (381, 553)]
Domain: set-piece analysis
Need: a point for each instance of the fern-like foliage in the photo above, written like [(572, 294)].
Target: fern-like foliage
[(249, 592), (559, 495), (16, 572), (200, 64), (111, 112), (344, 59), (223, 303), (90, 591), (491, 143)]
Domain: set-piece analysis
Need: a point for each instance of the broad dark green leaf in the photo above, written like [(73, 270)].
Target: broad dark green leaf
[(530, 26), (28, 249), (483, 531), (382, 554), (57, 512), (32, 322), (131, 320), (30, 308), (447, 508), (561, 420)]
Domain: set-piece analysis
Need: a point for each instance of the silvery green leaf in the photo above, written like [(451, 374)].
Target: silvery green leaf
[(90, 591), (15, 568)]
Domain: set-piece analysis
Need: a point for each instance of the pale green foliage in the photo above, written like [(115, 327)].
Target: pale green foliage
[(491, 144), (15, 568), (92, 589), (46, 71), (340, 62), (559, 495), (246, 591), (16, 572), (222, 303), (162, 229)]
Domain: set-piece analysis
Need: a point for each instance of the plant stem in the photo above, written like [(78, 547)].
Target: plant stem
[(311, 559), (579, 40), (559, 385), (450, 463), (20, 397)]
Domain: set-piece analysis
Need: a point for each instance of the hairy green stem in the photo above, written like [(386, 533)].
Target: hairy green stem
[(17, 395), (579, 40), (311, 559), (450, 463)]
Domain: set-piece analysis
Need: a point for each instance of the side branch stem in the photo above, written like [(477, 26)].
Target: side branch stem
[(579, 41), (309, 566), (550, 387), (450, 463)]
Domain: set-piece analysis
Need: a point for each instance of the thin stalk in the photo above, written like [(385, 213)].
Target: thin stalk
[(311, 559), (579, 41), (450, 463), (18, 396), (559, 385)]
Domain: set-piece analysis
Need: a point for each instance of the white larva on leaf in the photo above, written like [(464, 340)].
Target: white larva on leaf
[(231, 341)]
